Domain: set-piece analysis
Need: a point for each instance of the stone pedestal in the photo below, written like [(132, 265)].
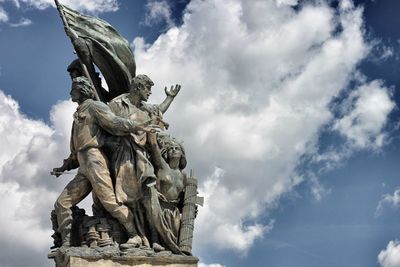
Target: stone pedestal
[(113, 257), (137, 261)]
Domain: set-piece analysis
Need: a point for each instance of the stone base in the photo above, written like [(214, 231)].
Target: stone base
[(133, 261), (111, 257)]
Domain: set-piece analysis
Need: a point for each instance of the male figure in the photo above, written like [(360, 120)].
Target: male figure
[(91, 122), (127, 105), (130, 164)]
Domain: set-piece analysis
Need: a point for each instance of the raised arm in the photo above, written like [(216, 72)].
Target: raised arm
[(157, 160), (171, 93)]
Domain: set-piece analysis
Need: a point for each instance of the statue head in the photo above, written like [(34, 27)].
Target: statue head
[(141, 86), (81, 90), (75, 69), (171, 149)]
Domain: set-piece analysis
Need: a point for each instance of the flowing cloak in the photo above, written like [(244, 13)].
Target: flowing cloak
[(109, 51)]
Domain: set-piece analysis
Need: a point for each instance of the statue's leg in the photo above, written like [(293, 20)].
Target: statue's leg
[(97, 171), (75, 191), (155, 241), (97, 207)]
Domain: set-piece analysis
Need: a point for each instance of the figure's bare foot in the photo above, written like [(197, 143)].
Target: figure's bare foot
[(135, 241), (145, 241), (157, 247)]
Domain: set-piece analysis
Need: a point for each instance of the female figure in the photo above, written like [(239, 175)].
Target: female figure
[(164, 201)]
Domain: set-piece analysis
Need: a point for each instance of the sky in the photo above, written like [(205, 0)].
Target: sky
[(288, 112)]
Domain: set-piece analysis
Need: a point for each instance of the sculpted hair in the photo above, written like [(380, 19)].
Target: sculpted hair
[(165, 142), (140, 81), (85, 87)]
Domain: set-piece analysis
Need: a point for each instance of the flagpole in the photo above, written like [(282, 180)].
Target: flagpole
[(74, 36)]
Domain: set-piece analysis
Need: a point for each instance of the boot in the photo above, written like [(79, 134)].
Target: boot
[(134, 239)]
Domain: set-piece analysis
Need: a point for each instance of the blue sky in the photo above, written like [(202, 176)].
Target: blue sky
[(288, 110)]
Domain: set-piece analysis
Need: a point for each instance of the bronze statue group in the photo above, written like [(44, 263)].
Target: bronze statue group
[(142, 199), (134, 172)]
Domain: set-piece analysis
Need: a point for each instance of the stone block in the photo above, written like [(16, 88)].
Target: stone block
[(111, 257)]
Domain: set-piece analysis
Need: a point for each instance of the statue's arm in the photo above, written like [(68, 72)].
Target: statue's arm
[(171, 94), (82, 49), (110, 122), (157, 160), (114, 108), (69, 163)]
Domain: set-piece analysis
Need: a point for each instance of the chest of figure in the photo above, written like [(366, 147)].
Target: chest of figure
[(84, 128), (172, 179), (139, 116)]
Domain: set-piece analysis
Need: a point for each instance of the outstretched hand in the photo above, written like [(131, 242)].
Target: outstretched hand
[(57, 171), (173, 91)]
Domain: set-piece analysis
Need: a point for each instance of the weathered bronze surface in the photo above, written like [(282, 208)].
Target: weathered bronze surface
[(144, 204)]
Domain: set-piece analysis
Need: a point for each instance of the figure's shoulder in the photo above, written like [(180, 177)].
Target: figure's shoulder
[(84, 105), (119, 99), (94, 106), (94, 103)]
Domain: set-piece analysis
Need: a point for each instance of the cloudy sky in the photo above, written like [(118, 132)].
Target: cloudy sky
[(288, 112)]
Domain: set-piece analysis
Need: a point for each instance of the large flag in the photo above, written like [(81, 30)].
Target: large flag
[(110, 52)]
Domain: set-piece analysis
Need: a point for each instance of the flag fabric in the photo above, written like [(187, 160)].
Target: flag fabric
[(110, 52)]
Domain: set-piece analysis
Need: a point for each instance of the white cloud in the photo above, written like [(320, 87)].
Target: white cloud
[(16, 3), (158, 11), (16, 130), (346, 4), (89, 6), (256, 94), (362, 123), (318, 191), (386, 52), (30, 149), (13, 224), (3, 15), (92, 6), (387, 199), (287, 2), (226, 231), (390, 257), (22, 23), (369, 107), (331, 157)]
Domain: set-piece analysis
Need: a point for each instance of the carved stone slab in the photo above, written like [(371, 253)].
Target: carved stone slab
[(111, 257), (137, 261)]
